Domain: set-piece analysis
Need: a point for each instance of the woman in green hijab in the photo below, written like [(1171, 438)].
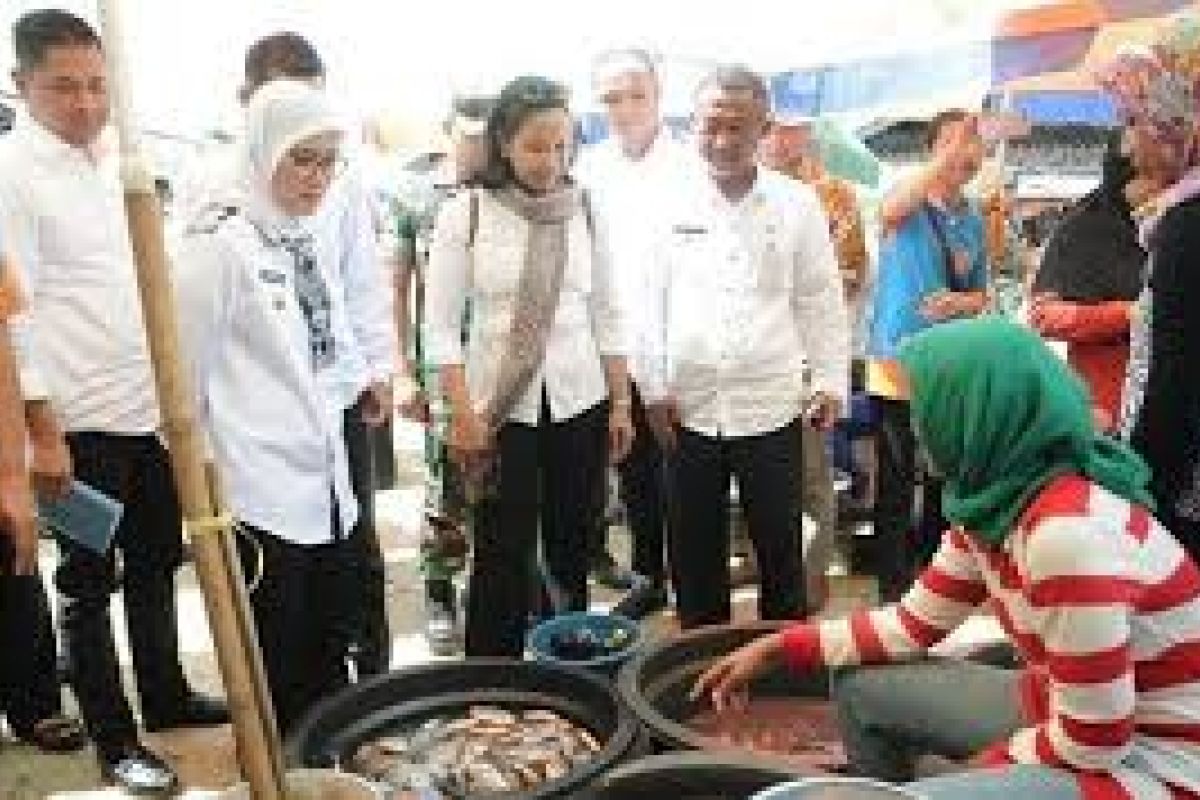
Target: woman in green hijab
[(1052, 529)]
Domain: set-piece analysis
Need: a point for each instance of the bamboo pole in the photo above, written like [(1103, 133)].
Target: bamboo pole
[(217, 567)]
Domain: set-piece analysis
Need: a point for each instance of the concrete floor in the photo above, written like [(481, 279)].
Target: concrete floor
[(206, 759)]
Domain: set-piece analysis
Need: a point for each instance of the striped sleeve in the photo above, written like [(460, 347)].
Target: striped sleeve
[(945, 594), (1079, 593)]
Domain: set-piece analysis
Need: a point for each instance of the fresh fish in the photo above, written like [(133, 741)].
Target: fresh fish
[(488, 749)]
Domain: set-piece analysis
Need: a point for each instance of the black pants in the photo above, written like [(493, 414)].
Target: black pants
[(304, 607), (372, 645), (904, 541), (644, 492), (383, 456), (548, 477), (767, 469), (29, 690), (133, 470)]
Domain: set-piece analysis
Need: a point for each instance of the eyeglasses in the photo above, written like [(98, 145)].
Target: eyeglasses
[(316, 162)]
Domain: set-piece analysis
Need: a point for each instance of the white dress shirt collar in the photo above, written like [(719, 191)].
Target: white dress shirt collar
[(42, 143)]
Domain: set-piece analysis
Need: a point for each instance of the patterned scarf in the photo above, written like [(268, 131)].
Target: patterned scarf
[(1158, 90), (542, 271), (537, 293), (312, 292)]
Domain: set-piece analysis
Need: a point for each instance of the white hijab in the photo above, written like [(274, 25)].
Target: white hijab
[(280, 114)]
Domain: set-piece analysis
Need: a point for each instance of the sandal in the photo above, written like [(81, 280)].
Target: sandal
[(57, 734)]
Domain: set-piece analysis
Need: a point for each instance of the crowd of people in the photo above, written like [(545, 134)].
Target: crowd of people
[(678, 309)]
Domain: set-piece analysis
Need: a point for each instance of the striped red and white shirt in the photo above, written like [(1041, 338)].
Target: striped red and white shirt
[(1103, 604)]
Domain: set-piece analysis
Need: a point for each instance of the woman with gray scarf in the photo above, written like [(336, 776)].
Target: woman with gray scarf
[(539, 392)]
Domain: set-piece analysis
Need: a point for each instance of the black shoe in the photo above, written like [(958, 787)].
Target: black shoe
[(607, 572), (195, 711), (136, 770), (645, 598)]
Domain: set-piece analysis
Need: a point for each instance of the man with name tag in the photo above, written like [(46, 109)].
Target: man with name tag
[(83, 346), (749, 292)]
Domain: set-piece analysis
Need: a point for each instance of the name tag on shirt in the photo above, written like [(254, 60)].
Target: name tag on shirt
[(273, 276), (276, 283)]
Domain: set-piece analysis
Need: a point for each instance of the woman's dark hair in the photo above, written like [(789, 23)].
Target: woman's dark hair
[(38, 31), (520, 99), (940, 122)]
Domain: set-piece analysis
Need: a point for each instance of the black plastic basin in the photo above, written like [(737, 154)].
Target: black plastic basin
[(382, 705), (657, 681), (689, 776)]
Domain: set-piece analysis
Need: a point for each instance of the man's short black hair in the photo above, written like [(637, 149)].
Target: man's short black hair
[(939, 122), (737, 78), (38, 31), (282, 55)]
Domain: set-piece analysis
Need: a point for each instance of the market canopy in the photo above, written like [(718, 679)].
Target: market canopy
[(1041, 55)]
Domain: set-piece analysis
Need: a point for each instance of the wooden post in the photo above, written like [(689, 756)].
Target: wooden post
[(217, 567)]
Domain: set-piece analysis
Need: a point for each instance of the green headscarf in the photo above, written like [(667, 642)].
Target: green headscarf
[(1000, 416)]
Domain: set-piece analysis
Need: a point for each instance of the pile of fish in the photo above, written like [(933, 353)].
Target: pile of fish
[(802, 731), (487, 750)]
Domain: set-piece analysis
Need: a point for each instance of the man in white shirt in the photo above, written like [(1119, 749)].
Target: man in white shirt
[(750, 295), (368, 358), (632, 177), (83, 348)]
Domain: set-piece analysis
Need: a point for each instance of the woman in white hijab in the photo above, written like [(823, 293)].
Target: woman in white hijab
[(256, 312)]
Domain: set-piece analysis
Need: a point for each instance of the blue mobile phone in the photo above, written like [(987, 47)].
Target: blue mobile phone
[(85, 515)]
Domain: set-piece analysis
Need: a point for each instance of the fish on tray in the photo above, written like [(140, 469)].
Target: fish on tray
[(487, 750)]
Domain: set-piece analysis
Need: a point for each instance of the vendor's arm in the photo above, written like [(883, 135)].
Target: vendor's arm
[(945, 594), (942, 597)]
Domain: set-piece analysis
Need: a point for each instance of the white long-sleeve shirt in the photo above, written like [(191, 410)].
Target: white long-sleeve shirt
[(588, 324), (275, 426), (748, 298), (81, 342), (633, 197), (347, 251)]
